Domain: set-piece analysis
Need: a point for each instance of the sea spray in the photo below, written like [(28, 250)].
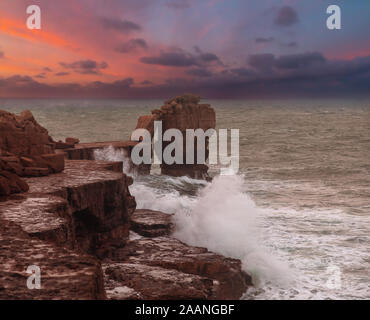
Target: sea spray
[(218, 215), (224, 219), (112, 154)]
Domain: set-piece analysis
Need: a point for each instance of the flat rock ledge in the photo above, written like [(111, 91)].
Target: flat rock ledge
[(156, 266), (76, 227), (65, 224)]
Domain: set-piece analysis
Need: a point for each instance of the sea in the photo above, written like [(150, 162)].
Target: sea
[(297, 214)]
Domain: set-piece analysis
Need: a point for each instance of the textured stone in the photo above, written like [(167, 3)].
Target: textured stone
[(228, 279), (149, 223), (86, 209), (65, 274), (182, 113), (13, 182), (22, 135), (154, 283), (72, 140), (27, 162), (55, 162), (36, 172)]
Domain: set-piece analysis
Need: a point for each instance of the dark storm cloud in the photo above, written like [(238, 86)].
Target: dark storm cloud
[(243, 72), (199, 72), (132, 45), (295, 61), (181, 58), (262, 61), (111, 87), (307, 74), (264, 40), (146, 83), (124, 26), (208, 57), (303, 75), (29, 87), (286, 16), (20, 80), (171, 59), (267, 61), (47, 69), (85, 66)]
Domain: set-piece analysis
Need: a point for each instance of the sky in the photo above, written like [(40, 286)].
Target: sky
[(162, 48)]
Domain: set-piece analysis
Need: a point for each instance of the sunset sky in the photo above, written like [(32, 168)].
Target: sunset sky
[(158, 48)]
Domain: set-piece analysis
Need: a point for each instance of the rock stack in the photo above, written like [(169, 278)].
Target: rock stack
[(183, 112)]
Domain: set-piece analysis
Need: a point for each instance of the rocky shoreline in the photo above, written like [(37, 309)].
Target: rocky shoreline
[(81, 227)]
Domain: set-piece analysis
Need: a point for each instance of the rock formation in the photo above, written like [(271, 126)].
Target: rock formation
[(76, 223), (26, 150), (23, 136), (75, 226), (183, 112), (149, 223), (157, 266)]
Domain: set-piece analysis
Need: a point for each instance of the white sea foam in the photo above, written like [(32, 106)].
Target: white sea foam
[(286, 251), (112, 154)]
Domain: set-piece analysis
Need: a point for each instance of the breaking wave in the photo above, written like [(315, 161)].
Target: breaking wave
[(218, 215)]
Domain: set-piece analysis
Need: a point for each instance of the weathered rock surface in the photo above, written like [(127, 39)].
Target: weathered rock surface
[(75, 224), (22, 135), (65, 274), (183, 112), (10, 182), (85, 151), (149, 223), (185, 273), (222, 278), (73, 141), (26, 149), (86, 209), (153, 283)]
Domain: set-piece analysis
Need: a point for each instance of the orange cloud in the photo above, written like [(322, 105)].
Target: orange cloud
[(17, 29)]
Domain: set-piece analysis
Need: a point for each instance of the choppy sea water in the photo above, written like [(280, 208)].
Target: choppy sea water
[(298, 212)]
